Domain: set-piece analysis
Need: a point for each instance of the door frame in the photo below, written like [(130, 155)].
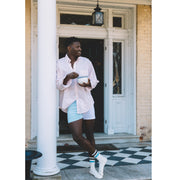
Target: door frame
[(98, 92), (105, 32)]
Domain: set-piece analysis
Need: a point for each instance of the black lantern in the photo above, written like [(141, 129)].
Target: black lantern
[(97, 16)]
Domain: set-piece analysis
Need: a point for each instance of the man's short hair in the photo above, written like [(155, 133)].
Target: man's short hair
[(71, 40)]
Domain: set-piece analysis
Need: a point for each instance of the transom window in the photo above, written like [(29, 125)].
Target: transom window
[(75, 19), (117, 22)]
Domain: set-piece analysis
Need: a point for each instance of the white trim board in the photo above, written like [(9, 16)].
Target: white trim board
[(145, 2)]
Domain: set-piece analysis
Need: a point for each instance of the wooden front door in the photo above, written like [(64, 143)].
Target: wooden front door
[(94, 50)]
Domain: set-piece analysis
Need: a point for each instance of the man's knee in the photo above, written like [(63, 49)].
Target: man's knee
[(90, 137), (77, 138)]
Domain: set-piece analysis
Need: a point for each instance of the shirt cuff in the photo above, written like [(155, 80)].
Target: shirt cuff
[(63, 87), (93, 85)]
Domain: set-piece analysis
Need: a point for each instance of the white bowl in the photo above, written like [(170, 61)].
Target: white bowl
[(83, 79)]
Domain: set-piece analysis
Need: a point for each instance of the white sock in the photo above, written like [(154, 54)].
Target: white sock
[(102, 161), (93, 169)]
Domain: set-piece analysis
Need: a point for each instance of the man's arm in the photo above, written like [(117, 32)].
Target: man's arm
[(92, 77), (63, 80)]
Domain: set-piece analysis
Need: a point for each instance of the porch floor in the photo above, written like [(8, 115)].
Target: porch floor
[(128, 161)]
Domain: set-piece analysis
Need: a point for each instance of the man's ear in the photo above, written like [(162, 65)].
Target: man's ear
[(68, 48)]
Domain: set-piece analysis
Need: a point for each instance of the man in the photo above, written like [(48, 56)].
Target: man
[(76, 100)]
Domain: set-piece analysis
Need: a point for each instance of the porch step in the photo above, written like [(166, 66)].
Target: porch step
[(100, 138)]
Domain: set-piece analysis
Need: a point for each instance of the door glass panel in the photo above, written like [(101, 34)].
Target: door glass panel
[(117, 67)]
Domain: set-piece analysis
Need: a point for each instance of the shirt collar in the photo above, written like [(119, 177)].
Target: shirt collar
[(69, 60)]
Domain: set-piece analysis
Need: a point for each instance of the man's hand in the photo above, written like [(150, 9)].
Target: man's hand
[(69, 76), (73, 75), (86, 84)]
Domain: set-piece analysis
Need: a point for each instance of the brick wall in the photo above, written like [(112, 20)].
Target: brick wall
[(28, 68), (144, 65)]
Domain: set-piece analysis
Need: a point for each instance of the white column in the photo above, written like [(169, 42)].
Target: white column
[(46, 135)]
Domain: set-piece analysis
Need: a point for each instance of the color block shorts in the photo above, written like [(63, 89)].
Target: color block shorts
[(72, 114)]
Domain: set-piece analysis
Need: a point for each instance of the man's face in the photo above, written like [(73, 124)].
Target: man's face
[(75, 49)]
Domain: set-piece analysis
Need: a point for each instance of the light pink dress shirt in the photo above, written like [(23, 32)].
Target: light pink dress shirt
[(72, 91)]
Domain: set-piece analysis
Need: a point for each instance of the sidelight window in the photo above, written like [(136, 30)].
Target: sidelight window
[(117, 68)]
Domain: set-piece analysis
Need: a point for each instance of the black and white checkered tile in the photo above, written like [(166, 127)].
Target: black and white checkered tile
[(123, 156)]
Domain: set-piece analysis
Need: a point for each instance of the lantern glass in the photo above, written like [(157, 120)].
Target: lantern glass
[(98, 18)]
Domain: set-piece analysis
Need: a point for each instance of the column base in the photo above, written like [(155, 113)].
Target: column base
[(53, 177), (46, 172)]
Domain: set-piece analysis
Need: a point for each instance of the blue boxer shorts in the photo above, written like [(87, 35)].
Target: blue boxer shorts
[(72, 114)]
